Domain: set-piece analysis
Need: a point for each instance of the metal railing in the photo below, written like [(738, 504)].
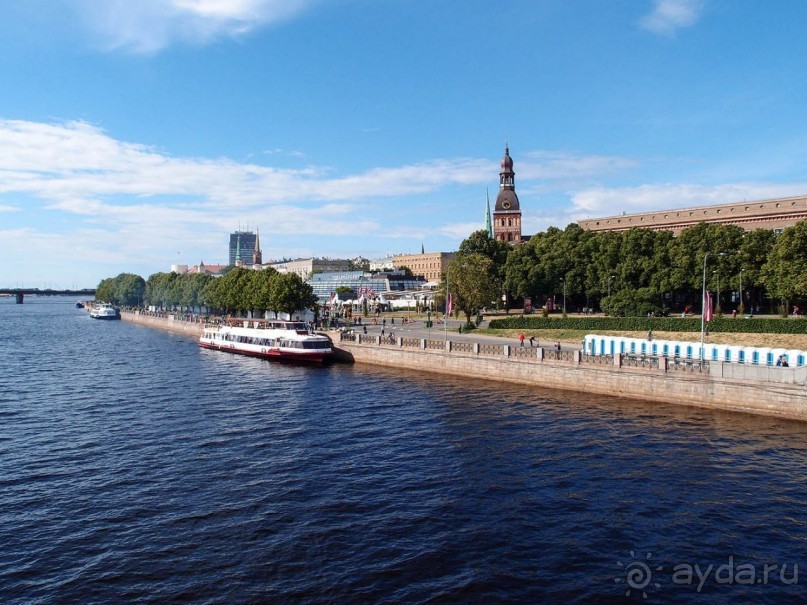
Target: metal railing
[(693, 366), (634, 361), (643, 362), (605, 360)]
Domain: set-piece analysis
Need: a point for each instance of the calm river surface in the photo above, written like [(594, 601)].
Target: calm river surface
[(135, 467)]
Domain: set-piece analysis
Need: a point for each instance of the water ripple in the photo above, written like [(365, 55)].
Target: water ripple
[(136, 467)]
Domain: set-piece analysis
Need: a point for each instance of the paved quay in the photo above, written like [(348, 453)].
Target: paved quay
[(417, 329)]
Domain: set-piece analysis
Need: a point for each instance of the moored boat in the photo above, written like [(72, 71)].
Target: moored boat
[(268, 339), (104, 311)]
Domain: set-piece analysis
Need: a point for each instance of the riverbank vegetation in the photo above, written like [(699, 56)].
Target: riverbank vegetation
[(239, 291), (640, 272)]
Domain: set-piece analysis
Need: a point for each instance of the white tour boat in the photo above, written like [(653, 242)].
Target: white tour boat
[(268, 339), (104, 311)]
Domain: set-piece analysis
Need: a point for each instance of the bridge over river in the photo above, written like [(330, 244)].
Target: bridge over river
[(21, 293)]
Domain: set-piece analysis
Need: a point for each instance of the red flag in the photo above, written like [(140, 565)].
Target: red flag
[(708, 313), (449, 304)]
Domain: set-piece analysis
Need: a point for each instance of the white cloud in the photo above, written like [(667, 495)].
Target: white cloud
[(670, 15), (147, 26), (134, 207), (602, 201)]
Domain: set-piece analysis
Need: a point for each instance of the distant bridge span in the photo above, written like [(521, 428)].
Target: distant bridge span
[(20, 293)]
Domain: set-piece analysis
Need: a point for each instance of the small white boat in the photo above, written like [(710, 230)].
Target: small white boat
[(104, 311), (268, 339)]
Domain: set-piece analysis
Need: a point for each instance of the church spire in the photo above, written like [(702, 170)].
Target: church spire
[(257, 255), (488, 221)]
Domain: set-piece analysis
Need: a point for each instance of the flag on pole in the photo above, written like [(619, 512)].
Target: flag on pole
[(708, 313), (449, 304)]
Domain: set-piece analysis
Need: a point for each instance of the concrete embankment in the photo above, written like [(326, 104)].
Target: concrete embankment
[(780, 392), (177, 323), (654, 379)]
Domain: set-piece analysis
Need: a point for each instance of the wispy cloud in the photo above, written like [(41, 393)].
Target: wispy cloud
[(668, 16), (602, 201), (147, 26), (139, 202)]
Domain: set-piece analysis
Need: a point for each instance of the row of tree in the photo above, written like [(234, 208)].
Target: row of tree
[(239, 291), (634, 272)]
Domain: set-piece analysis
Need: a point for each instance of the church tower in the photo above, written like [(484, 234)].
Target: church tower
[(257, 255), (507, 211)]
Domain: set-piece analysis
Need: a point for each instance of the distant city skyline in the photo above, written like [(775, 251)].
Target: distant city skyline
[(137, 135)]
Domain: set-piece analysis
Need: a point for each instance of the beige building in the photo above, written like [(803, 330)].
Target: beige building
[(306, 267), (773, 214), (432, 266)]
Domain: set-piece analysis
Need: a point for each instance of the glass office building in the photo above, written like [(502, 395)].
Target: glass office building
[(324, 284)]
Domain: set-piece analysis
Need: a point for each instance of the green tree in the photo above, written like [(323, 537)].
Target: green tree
[(470, 283), (105, 291), (754, 252), (261, 289), (233, 290), (785, 272), (290, 293), (547, 260), (130, 289), (496, 250)]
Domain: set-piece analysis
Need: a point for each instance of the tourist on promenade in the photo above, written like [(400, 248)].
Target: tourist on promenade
[(532, 341), (650, 334), (521, 338), (557, 346)]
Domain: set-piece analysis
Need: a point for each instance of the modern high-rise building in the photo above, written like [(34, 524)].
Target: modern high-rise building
[(245, 248)]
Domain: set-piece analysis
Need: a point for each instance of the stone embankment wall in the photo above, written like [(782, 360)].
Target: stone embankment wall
[(172, 322), (780, 392), (653, 379)]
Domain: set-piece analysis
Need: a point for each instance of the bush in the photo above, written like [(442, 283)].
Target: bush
[(657, 324)]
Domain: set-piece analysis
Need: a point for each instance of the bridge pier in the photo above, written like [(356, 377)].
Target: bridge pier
[(20, 297)]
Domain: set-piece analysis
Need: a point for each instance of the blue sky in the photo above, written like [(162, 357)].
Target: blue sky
[(134, 135)]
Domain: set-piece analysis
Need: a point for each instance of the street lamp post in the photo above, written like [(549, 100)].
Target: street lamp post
[(703, 298)]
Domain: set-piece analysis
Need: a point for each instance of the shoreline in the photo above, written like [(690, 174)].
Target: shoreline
[(728, 387)]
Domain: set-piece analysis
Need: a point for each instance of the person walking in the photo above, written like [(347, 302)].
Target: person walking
[(532, 341), (521, 338)]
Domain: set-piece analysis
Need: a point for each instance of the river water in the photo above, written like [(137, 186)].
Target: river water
[(136, 467)]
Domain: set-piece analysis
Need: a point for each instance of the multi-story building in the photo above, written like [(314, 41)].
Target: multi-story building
[(245, 249), (306, 267), (776, 214), (382, 264), (431, 265), (368, 284)]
